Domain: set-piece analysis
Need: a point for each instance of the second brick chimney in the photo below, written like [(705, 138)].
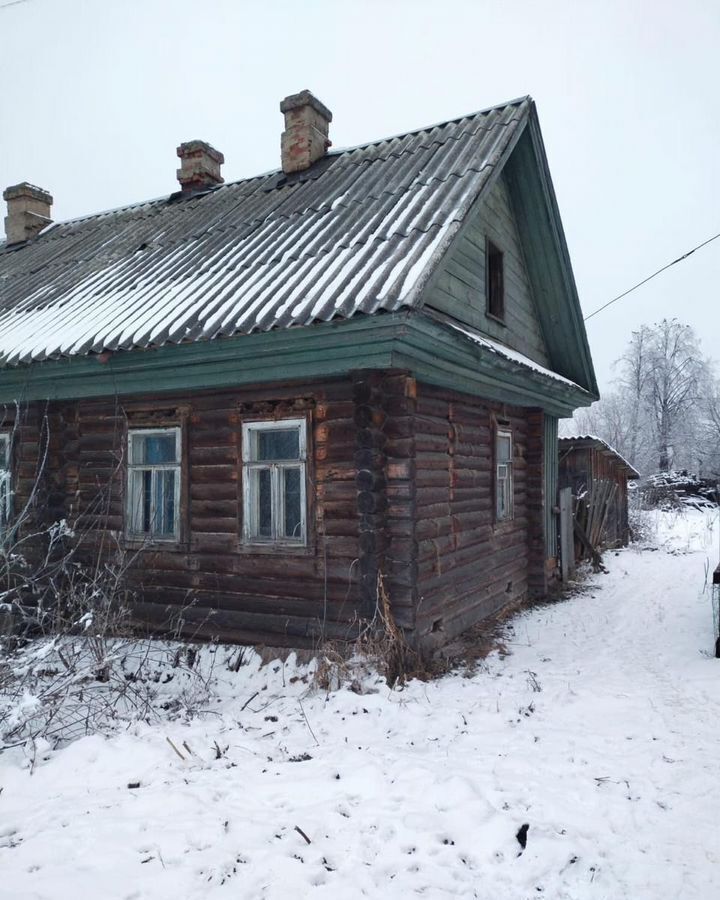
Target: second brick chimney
[(28, 211), (199, 166), (305, 139)]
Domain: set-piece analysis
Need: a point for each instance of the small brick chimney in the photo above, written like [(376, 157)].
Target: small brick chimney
[(305, 139), (28, 211), (199, 166)]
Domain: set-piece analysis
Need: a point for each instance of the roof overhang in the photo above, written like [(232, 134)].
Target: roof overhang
[(547, 258), (433, 351)]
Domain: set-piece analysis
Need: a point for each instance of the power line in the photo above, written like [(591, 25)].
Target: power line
[(650, 277), (12, 3)]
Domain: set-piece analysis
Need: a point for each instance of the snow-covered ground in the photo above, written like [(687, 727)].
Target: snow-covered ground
[(599, 730)]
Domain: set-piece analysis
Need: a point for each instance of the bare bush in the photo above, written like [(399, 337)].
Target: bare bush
[(61, 688), (643, 524), (381, 648), (76, 664), (71, 659)]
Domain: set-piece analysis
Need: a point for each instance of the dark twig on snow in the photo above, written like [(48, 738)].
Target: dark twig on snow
[(249, 701), (175, 748), (308, 724)]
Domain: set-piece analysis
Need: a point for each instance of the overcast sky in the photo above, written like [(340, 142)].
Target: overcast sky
[(96, 95)]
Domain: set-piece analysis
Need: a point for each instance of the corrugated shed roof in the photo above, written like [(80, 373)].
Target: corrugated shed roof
[(357, 233), (569, 440)]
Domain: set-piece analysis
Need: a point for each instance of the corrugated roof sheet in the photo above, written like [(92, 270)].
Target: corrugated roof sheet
[(568, 441), (356, 233)]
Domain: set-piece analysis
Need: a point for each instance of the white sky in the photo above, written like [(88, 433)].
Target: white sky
[(96, 95)]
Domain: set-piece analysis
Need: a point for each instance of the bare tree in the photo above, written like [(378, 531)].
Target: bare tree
[(659, 415), (675, 369), (633, 386), (711, 428)]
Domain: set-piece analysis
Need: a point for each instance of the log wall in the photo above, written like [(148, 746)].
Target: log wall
[(470, 566), (400, 486), (210, 582)]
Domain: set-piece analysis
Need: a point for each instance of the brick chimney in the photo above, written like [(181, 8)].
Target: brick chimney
[(199, 166), (28, 211), (305, 139)]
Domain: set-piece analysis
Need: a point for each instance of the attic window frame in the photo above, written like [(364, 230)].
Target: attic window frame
[(494, 281)]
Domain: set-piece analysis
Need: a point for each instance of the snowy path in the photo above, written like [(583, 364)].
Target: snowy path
[(599, 730)]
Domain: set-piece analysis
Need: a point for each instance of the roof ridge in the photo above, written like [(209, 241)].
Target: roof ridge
[(518, 101)]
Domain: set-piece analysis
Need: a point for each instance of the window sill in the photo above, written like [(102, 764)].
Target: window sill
[(501, 526), (249, 548), (155, 544), (495, 318)]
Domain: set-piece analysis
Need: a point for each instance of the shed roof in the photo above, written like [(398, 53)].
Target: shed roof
[(358, 232), (591, 440)]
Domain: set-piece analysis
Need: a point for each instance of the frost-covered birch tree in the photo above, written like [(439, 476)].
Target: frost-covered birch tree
[(658, 416), (674, 370)]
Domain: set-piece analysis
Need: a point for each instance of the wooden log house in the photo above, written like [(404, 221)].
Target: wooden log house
[(270, 393)]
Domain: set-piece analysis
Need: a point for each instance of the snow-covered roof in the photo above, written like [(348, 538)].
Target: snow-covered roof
[(358, 232), (568, 440), (503, 350)]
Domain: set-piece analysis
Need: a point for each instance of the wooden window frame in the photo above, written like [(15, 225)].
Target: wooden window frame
[(249, 496), (494, 281), (179, 467), (506, 486), (5, 481)]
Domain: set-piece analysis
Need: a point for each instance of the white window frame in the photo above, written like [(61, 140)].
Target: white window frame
[(154, 467), (504, 481), (5, 482), (251, 506)]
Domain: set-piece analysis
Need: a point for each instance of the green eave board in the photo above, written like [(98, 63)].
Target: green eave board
[(408, 340)]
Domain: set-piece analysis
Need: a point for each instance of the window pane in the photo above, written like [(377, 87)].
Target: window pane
[(292, 498), (4, 498), (503, 447), (4, 446), (495, 287), (504, 488), (146, 475), (264, 493), (152, 449), (501, 508), (164, 505), (137, 503), (280, 444)]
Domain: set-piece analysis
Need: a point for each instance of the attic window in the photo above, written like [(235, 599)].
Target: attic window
[(494, 282)]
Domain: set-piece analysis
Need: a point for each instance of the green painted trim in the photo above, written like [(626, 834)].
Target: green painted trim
[(440, 355), (548, 259), (552, 282), (550, 488), (431, 350), (317, 351)]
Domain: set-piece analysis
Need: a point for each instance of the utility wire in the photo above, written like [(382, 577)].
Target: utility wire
[(650, 277)]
